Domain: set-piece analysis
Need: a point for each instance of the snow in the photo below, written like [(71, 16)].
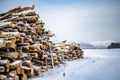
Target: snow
[(24, 55), (1, 67), (36, 67), (4, 23), (98, 64), (3, 76), (16, 62), (3, 61), (20, 22), (45, 55), (13, 33), (27, 25), (1, 40), (25, 67), (31, 16), (28, 61)]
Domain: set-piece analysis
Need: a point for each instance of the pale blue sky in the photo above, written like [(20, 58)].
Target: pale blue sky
[(76, 20)]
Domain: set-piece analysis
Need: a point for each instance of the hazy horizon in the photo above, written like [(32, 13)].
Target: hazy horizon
[(76, 20)]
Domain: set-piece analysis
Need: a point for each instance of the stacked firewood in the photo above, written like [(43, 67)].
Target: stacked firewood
[(24, 44), (67, 51)]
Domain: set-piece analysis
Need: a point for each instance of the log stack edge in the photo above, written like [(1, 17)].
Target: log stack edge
[(25, 45)]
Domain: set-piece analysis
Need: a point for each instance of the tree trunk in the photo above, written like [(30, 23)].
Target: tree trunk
[(5, 63), (27, 63), (28, 71), (15, 64), (37, 70), (2, 69), (11, 55), (2, 43), (3, 77)]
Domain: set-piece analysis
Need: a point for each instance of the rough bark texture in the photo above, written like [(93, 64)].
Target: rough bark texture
[(25, 46)]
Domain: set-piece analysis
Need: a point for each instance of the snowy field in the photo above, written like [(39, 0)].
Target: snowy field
[(96, 65)]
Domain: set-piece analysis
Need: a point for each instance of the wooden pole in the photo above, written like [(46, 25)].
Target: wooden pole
[(52, 61)]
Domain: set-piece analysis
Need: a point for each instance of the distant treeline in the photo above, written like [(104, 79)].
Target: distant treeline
[(114, 45)]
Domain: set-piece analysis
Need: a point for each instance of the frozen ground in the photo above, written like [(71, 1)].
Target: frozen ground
[(96, 65)]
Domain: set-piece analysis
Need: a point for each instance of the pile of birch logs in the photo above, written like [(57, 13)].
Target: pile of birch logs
[(67, 51), (25, 46)]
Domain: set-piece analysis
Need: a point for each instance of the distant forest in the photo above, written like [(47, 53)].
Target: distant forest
[(114, 45)]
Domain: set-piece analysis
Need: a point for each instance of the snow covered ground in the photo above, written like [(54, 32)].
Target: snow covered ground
[(97, 65)]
